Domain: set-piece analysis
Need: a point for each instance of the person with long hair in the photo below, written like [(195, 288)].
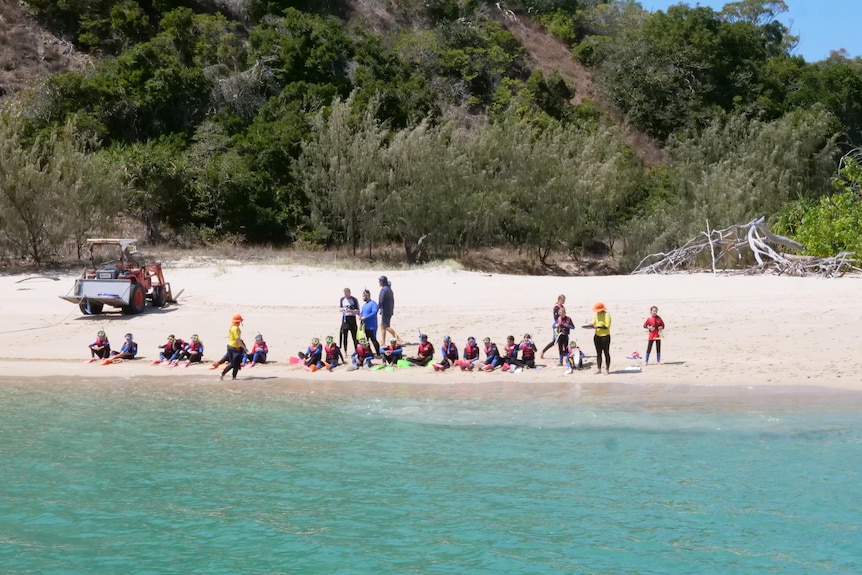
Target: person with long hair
[(561, 301), (563, 328)]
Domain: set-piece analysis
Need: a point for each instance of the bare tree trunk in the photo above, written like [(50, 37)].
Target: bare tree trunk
[(752, 238)]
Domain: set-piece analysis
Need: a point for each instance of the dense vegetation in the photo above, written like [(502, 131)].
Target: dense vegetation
[(421, 123)]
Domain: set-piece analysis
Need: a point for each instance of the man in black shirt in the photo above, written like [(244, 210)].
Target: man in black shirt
[(349, 307)]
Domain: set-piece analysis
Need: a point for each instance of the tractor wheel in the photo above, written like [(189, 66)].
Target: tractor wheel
[(160, 296), (137, 300), (91, 307)]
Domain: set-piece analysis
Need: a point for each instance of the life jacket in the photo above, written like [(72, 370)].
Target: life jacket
[(492, 351), (331, 351), (450, 351), (363, 351), (564, 325), (528, 350), (471, 352), (179, 345), (195, 346), (425, 350), (511, 350), (314, 351)]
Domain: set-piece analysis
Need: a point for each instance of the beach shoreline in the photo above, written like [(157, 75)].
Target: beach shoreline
[(724, 331)]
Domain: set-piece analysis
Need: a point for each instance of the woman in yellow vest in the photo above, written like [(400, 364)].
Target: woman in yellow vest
[(602, 338), (235, 347)]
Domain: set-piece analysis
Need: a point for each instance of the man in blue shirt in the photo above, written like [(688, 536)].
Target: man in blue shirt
[(368, 317)]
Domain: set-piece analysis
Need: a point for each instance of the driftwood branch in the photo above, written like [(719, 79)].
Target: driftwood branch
[(730, 246)]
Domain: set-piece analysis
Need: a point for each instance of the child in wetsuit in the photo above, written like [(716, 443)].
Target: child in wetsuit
[(471, 355), (492, 355), (392, 352), (313, 356), (425, 353), (564, 326), (655, 325), (574, 357), (129, 349), (101, 348), (332, 353), (171, 349), (528, 350), (193, 352), (511, 361), (363, 354), (258, 352), (449, 352)]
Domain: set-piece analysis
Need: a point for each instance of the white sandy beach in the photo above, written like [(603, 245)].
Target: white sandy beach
[(721, 330)]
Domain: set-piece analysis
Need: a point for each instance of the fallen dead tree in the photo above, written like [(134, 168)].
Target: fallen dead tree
[(732, 249)]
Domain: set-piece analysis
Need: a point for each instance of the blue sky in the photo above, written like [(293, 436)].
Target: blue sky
[(822, 25)]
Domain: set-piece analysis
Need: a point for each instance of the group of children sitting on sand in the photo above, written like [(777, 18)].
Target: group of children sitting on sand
[(514, 357), (173, 353)]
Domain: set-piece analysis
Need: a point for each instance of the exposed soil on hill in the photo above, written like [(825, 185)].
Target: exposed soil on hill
[(28, 51), (548, 53), (545, 52)]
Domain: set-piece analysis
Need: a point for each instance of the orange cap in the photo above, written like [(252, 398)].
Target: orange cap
[(599, 306), (236, 318)]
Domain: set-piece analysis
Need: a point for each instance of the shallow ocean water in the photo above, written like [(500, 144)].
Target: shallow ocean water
[(113, 477)]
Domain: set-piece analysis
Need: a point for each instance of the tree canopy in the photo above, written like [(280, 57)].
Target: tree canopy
[(425, 124)]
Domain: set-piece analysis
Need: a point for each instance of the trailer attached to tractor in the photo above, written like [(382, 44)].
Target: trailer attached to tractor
[(124, 282)]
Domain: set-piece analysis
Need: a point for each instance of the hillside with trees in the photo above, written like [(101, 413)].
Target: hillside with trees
[(557, 129)]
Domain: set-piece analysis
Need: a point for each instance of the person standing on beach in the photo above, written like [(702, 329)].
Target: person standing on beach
[(561, 301), (563, 327), (235, 347), (368, 317), (655, 325), (349, 306), (602, 338), (386, 302)]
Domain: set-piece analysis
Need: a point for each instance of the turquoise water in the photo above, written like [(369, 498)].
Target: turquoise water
[(111, 477)]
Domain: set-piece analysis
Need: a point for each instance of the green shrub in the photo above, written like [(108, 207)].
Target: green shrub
[(834, 223)]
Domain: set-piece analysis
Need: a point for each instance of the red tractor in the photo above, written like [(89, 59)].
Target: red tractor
[(124, 282)]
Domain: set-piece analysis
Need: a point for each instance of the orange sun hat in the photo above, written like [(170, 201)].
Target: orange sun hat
[(599, 306)]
